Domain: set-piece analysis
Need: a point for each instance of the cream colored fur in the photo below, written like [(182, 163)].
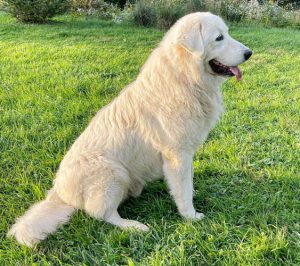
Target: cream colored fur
[(152, 129)]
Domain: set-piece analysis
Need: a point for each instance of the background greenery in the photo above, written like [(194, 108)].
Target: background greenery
[(53, 79), (159, 13), (163, 13), (35, 11), (166, 12)]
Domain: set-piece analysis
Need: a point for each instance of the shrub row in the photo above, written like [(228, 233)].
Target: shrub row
[(164, 13), (159, 13)]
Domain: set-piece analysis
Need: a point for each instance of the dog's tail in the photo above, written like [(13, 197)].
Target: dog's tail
[(41, 219)]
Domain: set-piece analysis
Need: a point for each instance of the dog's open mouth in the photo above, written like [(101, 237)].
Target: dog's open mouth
[(223, 70)]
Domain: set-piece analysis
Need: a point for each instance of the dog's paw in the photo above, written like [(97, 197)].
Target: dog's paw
[(143, 228), (196, 216), (199, 216), (135, 225)]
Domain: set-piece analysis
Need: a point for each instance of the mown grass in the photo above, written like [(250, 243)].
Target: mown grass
[(53, 79)]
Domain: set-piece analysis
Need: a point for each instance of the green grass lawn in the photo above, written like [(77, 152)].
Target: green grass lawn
[(54, 78)]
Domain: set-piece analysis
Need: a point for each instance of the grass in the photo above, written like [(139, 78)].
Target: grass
[(54, 78)]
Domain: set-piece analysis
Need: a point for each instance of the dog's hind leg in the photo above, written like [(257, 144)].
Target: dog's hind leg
[(104, 198)]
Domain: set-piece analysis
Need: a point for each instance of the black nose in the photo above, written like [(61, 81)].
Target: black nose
[(247, 54)]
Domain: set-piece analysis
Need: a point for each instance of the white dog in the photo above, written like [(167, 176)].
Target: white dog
[(152, 129)]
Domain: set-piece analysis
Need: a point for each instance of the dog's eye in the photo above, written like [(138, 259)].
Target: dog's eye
[(220, 38)]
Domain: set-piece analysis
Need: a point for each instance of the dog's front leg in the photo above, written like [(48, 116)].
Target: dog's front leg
[(179, 175)]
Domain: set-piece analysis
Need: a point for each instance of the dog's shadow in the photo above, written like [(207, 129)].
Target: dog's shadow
[(235, 198)]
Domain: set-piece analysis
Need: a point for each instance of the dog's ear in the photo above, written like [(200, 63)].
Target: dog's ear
[(192, 42)]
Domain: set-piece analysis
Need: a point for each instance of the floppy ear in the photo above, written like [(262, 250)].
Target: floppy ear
[(192, 42)]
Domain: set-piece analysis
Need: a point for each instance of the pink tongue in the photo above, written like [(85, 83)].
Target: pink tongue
[(237, 72)]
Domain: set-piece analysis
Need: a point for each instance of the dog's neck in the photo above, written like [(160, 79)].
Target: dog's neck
[(210, 81)]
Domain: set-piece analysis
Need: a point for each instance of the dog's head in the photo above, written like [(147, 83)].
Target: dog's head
[(205, 36)]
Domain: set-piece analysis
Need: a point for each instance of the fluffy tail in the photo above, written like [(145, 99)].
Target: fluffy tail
[(41, 219)]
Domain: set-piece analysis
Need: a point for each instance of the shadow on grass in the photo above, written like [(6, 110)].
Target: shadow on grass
[(233, 201)]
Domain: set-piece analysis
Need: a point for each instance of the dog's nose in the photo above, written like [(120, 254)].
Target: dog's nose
[(247, 54)]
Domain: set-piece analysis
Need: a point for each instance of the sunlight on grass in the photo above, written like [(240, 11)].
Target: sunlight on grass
[(54, 78)]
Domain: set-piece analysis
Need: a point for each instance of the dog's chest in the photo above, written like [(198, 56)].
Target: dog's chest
[(203, 119)]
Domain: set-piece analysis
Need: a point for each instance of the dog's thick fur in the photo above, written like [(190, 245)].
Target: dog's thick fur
[(152, 129)]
